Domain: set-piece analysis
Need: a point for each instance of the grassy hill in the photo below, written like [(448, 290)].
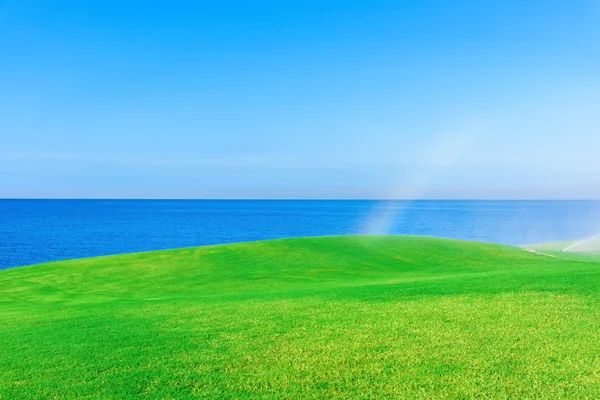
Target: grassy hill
[(319, 317)]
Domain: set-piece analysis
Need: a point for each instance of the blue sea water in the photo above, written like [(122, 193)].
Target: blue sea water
[(34, 231)]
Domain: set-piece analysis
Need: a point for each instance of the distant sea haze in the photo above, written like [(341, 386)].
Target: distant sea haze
[(33, 231)]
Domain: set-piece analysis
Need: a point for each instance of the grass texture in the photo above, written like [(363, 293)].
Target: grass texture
[(317, 317)]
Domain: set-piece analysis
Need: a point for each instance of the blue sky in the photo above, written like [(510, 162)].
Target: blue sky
[(300, 99)]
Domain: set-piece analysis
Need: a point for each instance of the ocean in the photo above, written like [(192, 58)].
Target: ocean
[(33, 231)]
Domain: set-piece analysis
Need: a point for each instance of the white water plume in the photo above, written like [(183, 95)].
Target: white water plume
[(588, 245), (445, 150)]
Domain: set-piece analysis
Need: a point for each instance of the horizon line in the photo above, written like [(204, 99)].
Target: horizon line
[(298, 199)]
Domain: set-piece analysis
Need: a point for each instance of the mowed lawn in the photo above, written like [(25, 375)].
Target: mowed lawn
[(322, 317)]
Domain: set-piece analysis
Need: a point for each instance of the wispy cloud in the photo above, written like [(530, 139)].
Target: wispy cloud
[(295, 160), (175, 160)]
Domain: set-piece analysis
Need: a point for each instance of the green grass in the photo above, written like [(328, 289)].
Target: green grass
[(327, 317)]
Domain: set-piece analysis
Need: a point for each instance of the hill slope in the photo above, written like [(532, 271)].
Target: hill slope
[(349, 316)]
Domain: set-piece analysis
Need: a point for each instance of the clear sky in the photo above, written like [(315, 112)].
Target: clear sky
[(300, 99)]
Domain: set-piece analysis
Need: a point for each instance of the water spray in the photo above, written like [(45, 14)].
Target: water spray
[(579, 246)]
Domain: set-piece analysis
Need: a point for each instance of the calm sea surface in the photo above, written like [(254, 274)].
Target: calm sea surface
[(33, 231)]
